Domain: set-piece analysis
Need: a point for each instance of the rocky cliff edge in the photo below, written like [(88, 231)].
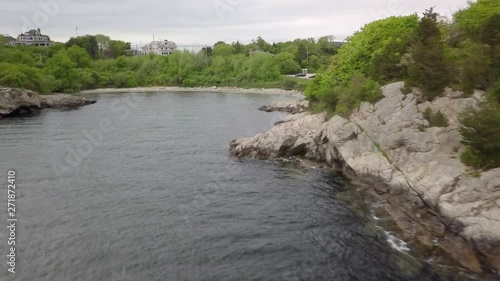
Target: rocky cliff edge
[(433, 198)]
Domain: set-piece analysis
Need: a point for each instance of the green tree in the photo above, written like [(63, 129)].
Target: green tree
[(79, 56), (481, 134), (360, 89), (387, 64), (65, 71), (429, 71), (358, 56), (87, 42), (237, 47), (23, 76), (263, 45), (116, 48), (287, 63), (18, 55), (326, 45), (223, 49), (301, 54), (314, 63), (102, 43), (474, 17)]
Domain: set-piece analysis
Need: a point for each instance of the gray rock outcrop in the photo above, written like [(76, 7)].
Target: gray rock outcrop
[(299, 106), (64, 101), (15, 101), (417, 169), (293, 138), (18, 101)]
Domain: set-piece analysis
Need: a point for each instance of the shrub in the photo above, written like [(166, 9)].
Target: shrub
[(435, 120), (23, 76), (289, 84), (190, 83), (360, 89), (481, 134)]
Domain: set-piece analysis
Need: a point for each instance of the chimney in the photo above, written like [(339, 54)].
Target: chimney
[(39, 31)]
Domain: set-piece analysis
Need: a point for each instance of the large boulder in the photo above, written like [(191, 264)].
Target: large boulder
[(64, 101), (18, 101), (292, 138), (299, 106), (15, 101)]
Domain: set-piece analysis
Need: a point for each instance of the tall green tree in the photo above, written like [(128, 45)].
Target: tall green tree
[(481, 134), (116, 48), (429, 71), (223, 50), (301, 54), (263, 45), (358, 55), (238, 49), (102, 43), (87, 42), (326, 45), (79, 56), (474, 17), (287, 63)]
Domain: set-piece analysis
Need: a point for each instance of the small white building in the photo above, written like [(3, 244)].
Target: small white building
[(161, 48)]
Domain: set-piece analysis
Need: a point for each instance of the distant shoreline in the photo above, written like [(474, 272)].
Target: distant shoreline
[(281, 92)]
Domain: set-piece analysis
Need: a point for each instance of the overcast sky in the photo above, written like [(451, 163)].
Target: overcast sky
[(199, 22)]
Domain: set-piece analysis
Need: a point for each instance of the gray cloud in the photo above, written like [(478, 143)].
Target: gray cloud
[(206, 21)]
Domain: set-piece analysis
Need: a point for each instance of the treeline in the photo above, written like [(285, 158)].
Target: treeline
[(89, 62), (431, 53)]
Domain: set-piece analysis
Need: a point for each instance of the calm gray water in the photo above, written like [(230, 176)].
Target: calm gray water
[(141, 187)]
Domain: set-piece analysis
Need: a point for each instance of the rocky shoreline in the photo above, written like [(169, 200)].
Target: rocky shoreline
[(15, 102), (300, 106), (439, 207)]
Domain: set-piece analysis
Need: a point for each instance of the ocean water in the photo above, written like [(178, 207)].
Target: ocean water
[(142, 187)]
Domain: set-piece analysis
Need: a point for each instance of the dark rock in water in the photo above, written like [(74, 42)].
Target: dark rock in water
[(293, 108), (14, 101), (64, 101)]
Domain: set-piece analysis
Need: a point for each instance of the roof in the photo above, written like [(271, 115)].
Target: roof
[(9, 38), (33, 32)]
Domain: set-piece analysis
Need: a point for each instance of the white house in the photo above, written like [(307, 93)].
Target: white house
[(33, 37), (161, 48)]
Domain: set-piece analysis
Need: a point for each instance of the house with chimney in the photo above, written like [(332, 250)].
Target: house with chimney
[(33, 37)]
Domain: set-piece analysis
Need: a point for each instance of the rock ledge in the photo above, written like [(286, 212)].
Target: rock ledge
[(390, 147), (290, 107), (14, 101)]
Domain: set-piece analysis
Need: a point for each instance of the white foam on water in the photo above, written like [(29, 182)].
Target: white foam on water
[(396, 243)]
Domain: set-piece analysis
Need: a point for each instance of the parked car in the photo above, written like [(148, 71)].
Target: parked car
[(300, 75), (312, 76)]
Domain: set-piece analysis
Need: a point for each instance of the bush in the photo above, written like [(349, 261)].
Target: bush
[(23, 76), (360, 89), (190, 83), (494, 93), (375, 51), (481, 134), (289, 84), (435, 120)]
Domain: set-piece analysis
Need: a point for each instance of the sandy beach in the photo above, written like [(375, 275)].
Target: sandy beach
[(196, 89)]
